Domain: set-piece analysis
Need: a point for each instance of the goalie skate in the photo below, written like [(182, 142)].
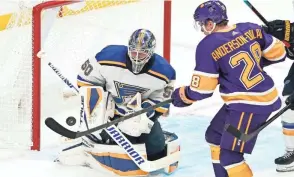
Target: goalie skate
[(285, 163)]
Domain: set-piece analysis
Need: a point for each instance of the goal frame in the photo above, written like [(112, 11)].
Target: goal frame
[(36, 61)]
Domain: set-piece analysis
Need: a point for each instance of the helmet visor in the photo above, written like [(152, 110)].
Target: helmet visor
[(198, 25)]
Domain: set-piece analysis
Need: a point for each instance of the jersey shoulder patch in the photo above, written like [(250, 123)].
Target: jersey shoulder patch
[(113, 55), (161, 69)]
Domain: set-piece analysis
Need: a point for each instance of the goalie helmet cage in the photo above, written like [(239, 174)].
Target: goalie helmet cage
[(34, 78)]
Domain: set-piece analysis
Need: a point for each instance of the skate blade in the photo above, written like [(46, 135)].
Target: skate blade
[(285, 168)]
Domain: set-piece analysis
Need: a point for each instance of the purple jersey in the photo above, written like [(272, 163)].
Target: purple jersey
[(234, 59)]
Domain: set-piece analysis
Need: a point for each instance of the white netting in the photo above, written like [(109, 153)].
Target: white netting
[(74, 34), (16, 81)]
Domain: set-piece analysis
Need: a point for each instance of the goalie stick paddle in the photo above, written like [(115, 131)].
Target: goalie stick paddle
[(56, 127), (246, 137)]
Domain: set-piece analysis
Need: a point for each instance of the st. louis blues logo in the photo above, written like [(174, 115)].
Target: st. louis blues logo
[(126, 91)]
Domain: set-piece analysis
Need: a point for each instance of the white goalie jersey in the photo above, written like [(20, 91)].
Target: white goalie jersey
[(109, 69)]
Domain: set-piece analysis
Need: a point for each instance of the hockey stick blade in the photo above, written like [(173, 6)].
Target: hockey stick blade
[(238, 134), (56, 127), (246, 137)]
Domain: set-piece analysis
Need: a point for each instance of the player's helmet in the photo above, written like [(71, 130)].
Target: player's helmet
[(213, 10), (141, 47)]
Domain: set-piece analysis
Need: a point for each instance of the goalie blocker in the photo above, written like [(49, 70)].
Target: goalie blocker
[(101, 152)]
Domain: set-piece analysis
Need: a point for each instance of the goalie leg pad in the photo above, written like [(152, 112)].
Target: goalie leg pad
[(98, 107), (172, 146), (113, 159), (73, 155)]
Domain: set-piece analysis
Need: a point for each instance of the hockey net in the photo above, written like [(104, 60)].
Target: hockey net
[(67, 33)]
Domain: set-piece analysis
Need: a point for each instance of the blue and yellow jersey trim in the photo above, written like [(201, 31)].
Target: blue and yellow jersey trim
[(288, 128), (112, 63), (162, 109), (158, 75), (161, 69), (123, 65), (83, 82)]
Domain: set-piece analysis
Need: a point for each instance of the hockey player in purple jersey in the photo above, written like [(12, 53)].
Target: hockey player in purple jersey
[(232, 57), (284, 30)]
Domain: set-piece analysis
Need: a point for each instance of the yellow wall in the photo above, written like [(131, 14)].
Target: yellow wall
[(4, 19), (65, 11)]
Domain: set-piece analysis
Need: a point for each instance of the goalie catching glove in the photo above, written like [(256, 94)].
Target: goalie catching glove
[(140, 124)]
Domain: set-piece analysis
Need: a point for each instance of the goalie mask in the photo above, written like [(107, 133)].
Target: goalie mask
[(141, 48)]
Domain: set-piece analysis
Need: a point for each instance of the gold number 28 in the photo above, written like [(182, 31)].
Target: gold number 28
[(246, 77)]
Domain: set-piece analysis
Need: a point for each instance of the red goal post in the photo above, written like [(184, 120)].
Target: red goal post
[(25, 108)]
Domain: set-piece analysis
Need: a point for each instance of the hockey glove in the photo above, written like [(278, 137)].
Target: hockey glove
[(145, 104), (284, 31), (180, 99), (281, 29), (290, 100)]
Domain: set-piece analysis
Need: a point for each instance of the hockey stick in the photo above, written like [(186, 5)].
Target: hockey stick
[(140, 160), (56, 127), (261, 17), (256, 12), (63, 78), (246, 137)]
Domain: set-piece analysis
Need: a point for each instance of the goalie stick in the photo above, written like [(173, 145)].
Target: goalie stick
[(246, 137), (116, 134), (62, 77)]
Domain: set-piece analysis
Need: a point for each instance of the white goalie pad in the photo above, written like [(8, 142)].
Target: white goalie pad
[(173, 145), (112, 158), (98, 106)]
